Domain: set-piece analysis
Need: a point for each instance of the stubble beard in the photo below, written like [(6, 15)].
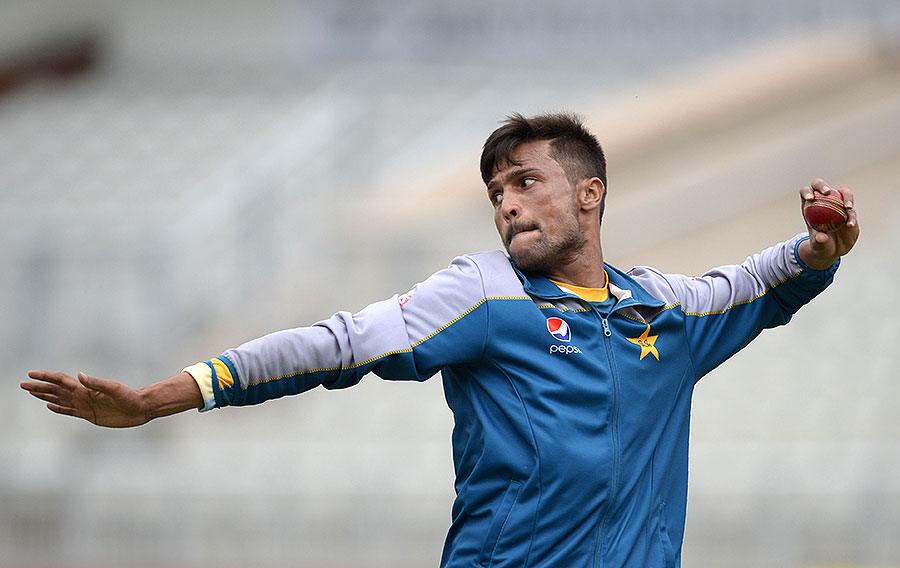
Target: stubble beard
[(546, 255)]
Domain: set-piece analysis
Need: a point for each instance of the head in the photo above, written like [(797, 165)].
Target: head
[(546, 178), (572, 146)]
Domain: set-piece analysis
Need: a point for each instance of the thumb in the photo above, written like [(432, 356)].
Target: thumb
[(93, 383), (820, 240)]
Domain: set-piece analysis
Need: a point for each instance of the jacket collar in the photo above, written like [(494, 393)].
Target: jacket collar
[(627, 292)]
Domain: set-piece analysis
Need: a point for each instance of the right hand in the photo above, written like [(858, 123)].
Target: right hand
[(823, 249), (99, 401)]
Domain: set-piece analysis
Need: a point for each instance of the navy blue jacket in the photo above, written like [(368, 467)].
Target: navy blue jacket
[(570, 442)]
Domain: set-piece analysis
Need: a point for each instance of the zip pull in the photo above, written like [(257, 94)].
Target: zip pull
[(606, 330)]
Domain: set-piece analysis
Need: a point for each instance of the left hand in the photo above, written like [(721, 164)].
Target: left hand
[(99, 401), (823, 249)]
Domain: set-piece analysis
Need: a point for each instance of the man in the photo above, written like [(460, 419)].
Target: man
[(570, 381)]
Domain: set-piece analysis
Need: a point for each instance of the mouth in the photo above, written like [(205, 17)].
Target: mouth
[(517, 229)]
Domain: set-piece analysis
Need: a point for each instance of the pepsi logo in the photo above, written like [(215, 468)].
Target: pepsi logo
[(559, 329)]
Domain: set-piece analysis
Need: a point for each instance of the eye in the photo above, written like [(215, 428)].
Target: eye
[(496, 197), (527, 182)]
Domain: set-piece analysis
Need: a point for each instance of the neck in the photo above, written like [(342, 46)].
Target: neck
[(586, 270)]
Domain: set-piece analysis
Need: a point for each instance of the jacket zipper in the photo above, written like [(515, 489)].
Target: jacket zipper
[(606, 330), (614, 431)]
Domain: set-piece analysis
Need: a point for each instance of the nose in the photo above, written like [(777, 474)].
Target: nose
[(509, 208)]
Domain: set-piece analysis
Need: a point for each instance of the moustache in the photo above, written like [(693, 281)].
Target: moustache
[(517, 227)]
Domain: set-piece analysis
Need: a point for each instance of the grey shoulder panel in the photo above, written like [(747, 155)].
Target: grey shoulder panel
[(500, 280), (450, 294)]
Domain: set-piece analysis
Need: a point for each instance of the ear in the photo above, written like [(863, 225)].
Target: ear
[(590, 193)]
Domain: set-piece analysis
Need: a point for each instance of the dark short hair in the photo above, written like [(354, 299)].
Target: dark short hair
[(571, 145)]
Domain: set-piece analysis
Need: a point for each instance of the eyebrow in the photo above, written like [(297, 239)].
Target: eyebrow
[(510, 176)]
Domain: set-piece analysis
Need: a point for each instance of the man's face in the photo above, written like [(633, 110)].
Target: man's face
[(535, 210)]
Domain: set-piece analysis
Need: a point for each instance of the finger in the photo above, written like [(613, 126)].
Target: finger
[(65, 410), (847, 195), (47, 397), (821, 239), (48, 392), (46, 376), (34, 387), (56, 378), (821, 186), (851, 218), (806, 194), (100, 386)]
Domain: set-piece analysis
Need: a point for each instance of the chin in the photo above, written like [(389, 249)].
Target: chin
[(530, 260)]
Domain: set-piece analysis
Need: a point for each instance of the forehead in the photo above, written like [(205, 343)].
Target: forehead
[(528, 155)]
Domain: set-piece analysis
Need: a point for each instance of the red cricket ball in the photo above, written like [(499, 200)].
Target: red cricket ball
[(825, 213)]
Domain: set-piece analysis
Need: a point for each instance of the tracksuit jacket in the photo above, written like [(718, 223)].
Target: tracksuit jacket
[(570, 442)]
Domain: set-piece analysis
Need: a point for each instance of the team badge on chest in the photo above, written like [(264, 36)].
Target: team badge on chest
[(647, 343)]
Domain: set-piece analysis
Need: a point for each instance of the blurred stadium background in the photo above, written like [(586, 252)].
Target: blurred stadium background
[(176, 178)]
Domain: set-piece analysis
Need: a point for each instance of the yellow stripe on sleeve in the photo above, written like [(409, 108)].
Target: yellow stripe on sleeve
[(223, 373)]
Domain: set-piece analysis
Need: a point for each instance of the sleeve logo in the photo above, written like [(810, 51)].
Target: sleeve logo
[(405, 298), (559, 329)]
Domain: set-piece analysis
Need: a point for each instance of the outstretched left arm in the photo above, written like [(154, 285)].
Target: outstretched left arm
[(110, 403)]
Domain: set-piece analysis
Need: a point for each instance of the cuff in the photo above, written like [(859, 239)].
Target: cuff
[(805, 237), (203, 375)]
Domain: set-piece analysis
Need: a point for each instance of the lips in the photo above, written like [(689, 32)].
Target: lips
[(517, 228), (517, 233)]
